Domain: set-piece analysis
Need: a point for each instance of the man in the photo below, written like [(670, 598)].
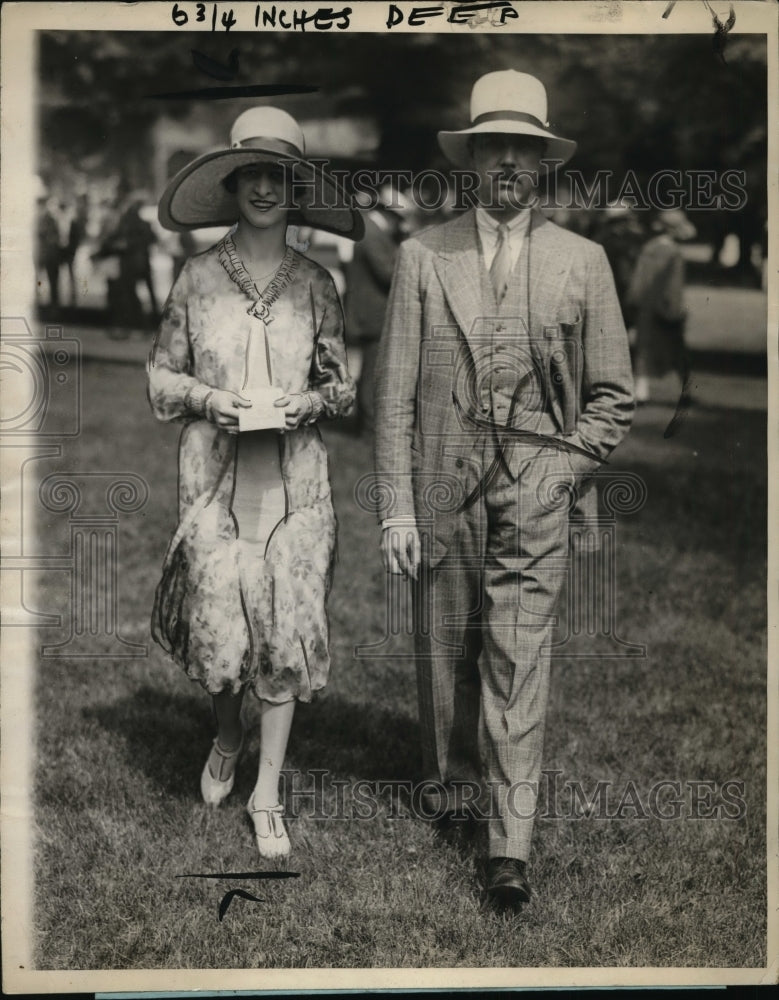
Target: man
[(48, 254), (503, 380), (368, 279)]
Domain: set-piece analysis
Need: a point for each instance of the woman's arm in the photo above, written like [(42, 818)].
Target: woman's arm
[(332, 391), (174, 394)]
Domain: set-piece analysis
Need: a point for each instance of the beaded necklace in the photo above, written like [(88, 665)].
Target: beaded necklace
[(261, 300)]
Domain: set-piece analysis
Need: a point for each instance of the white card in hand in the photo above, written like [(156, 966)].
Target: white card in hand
[(262, 414)]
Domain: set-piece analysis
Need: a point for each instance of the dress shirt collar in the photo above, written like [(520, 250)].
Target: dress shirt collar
[(488, 226)]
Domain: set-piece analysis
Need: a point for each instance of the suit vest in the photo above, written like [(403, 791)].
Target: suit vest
[(506, 370)]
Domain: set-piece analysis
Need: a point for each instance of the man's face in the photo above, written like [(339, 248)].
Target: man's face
[(508, 168)]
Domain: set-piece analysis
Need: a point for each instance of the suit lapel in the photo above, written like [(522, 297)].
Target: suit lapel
[(548, 268), (459, 266)]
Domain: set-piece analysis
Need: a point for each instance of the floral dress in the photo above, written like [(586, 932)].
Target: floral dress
[(231, 616)]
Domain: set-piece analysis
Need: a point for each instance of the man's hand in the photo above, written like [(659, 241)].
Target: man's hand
[(401, 549), (222, 409)]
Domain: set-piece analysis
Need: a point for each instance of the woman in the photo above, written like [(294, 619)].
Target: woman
[(249, 356)]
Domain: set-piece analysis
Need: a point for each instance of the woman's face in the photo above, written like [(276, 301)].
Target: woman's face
[(262, 195)]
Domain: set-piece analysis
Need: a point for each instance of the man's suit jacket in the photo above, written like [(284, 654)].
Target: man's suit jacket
[(434, 331)]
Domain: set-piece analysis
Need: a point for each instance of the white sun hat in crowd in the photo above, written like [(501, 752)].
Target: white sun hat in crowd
[(509, 102)]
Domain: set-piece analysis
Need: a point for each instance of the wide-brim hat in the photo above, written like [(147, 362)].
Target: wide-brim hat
[(197, 197), (509, 102)]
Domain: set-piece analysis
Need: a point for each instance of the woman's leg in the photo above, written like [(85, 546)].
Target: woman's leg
[(227, 709), (272, 838), (274, 734), (216, 781)]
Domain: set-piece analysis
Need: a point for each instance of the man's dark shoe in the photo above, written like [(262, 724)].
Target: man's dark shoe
[(507, 884)]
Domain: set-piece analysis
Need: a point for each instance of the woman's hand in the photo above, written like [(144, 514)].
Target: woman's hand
[(297, 408), (222, 409)]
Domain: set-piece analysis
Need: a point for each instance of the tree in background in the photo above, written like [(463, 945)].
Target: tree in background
[(640, 103)]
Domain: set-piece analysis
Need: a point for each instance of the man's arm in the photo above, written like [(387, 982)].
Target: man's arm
[(607, 378), (397, 371)]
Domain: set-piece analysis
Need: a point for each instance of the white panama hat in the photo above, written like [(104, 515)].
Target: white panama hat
[(509, 102), (196, 197)]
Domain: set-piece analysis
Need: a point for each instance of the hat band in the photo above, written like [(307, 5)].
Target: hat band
[(511, 116), (280, 146)]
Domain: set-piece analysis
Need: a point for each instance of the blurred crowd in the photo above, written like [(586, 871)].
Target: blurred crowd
[(101, 253)]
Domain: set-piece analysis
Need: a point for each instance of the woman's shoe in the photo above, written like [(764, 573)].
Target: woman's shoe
[(269, 832), (218, 777)]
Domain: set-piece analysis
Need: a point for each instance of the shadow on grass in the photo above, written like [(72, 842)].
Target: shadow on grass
[(166, 737), (354, 739)]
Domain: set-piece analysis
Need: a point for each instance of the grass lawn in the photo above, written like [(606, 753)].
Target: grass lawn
[(120, 746)]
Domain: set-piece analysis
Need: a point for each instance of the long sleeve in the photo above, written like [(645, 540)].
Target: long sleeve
[(397, 370), (174, 393), (607, 379), (333, 391)]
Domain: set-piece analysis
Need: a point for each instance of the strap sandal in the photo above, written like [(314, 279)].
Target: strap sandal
[(269, 831), (218, 777)]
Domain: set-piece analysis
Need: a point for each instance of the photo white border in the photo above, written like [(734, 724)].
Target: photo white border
[(17, 108)]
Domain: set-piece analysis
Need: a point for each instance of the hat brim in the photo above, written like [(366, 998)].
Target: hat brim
[(196, 197), (455, 144)]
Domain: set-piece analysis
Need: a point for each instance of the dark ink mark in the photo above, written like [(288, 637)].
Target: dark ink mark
[(243, 875), (216, 69), (228, 897), (682, 409), (721, 31), (502, 435), (219, 71), (529, 437), (229, 93)]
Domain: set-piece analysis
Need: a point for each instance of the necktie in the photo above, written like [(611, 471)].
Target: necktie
[(501, 263)]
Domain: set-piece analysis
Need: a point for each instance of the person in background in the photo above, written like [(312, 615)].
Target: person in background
[(48, 253), (76, 232), (128, 238), (368, 279), (135, 237), (656, 294), (187, 246), (621, 235)]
